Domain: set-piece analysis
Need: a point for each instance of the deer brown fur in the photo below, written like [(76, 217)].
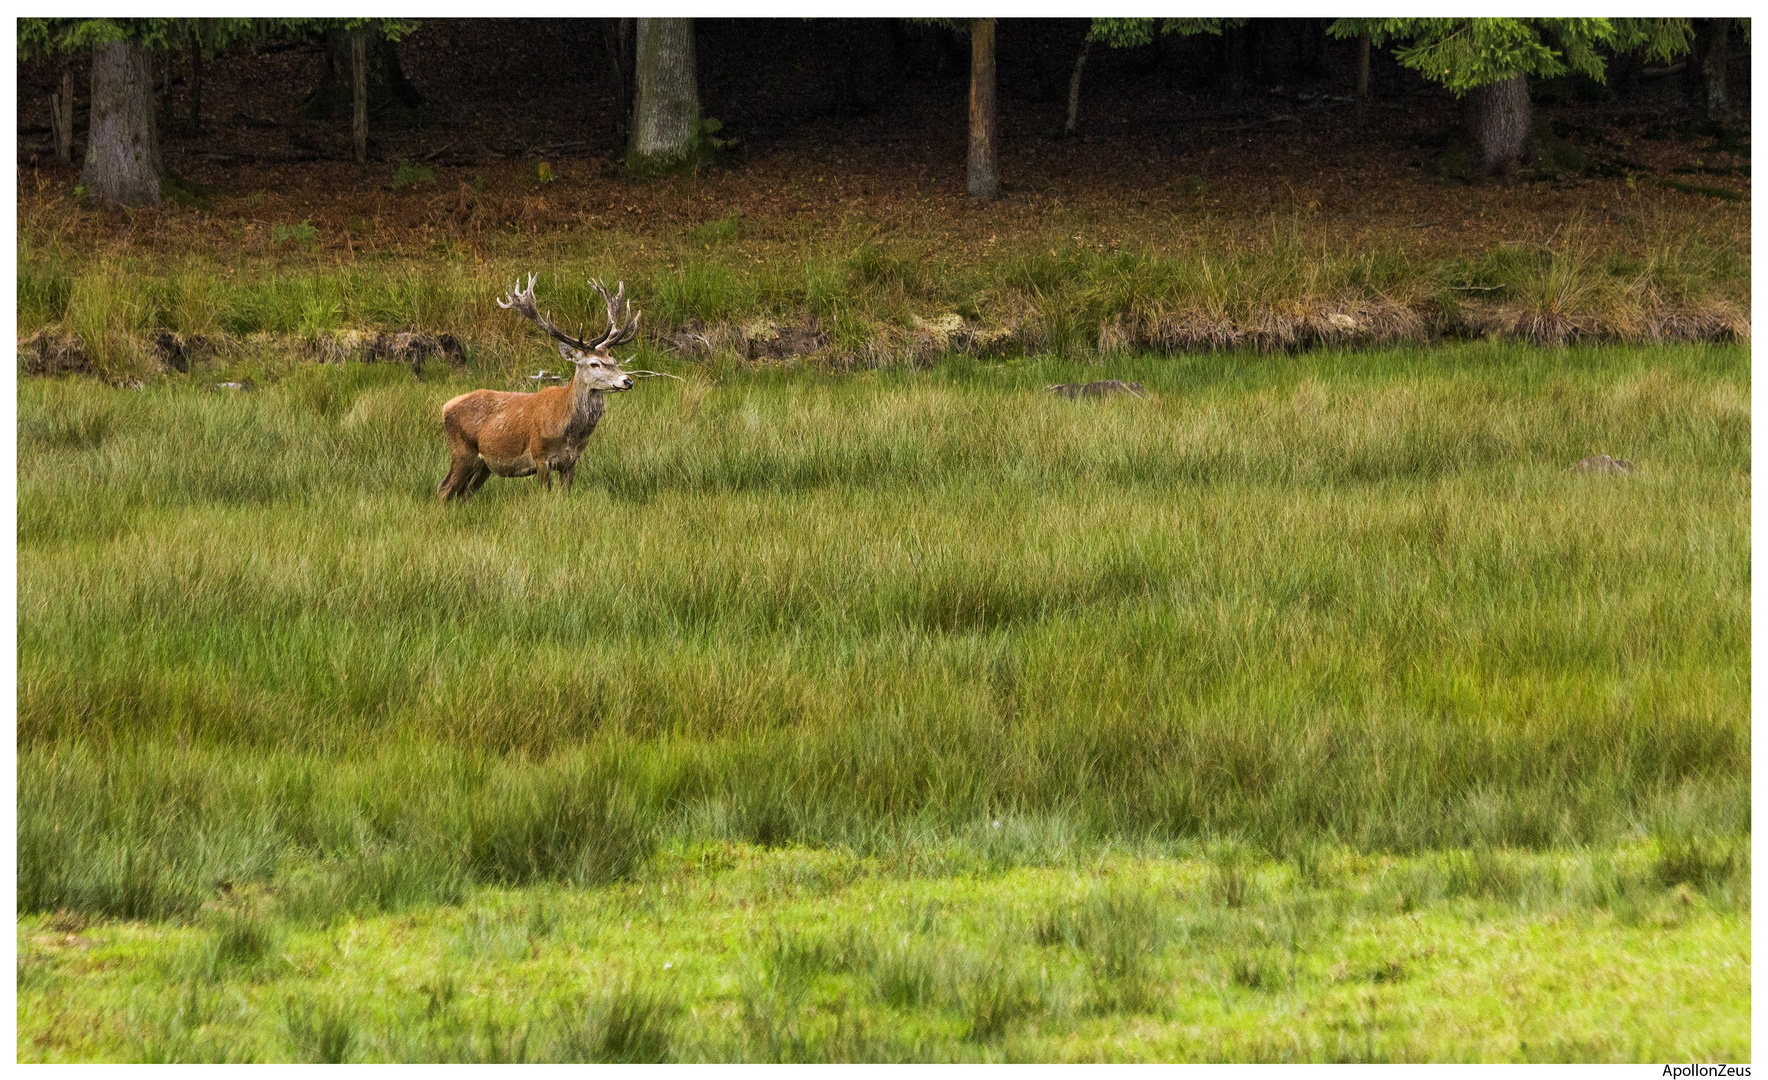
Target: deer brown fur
[(516, 434)]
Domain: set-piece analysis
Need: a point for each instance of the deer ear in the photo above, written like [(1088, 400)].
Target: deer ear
[(565, 350)]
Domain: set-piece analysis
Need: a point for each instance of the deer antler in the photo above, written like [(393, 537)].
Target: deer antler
[(521, 301), (617, 334), (620, 331)]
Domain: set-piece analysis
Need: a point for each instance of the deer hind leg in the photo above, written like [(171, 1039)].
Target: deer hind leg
[(481, 473), (454, 485), (463, 461)]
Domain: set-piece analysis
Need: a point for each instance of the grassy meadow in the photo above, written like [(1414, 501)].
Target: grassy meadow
[(1309, 708)]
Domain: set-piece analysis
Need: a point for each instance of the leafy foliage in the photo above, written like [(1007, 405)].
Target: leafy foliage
[(302, 232), (41, 37), (38, 37), (1466, 54), (1129, 33), (409, 175)]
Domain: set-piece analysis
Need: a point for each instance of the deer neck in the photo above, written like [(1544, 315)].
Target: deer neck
[(586, 404)]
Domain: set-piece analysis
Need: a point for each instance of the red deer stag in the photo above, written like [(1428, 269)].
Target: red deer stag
[(517, 434)]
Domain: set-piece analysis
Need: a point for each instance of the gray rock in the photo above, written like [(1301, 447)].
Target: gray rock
[(1602, 463)]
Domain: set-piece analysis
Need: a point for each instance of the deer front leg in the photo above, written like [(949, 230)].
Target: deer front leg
[(567, 473), (544, 471)]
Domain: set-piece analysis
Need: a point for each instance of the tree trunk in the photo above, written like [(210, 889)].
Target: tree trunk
[(123, 166), (1362, 75), (841, 62), (1499, 118), (1231, 73), (1713, 36), (666, 92), (1080, 62), (985, 175), (1363, 66), (391, 97), (194, 122), (359, 92), (618, 34), (1258, 42), (166, 86), (61, 115), (1309, 48)]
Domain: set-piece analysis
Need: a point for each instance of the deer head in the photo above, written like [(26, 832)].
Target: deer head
[(596, 367)]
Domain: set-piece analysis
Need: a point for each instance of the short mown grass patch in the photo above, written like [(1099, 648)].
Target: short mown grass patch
[(1121, 957)]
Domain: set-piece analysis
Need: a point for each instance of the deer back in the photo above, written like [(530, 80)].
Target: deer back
[(506, 421)]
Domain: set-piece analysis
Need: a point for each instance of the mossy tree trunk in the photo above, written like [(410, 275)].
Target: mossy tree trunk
[(1230, 78), (391, 97), (194, 121), (123, 164), (359, 93), (1499, 118), (166, 86), (61, 115), (666, 92), (985, 174), (1363, 76), (1713, 50), (619, 37), (1080, 63)]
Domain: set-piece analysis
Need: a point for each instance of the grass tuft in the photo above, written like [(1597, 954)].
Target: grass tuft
[(996, 995), (322, 1032), (631, 1024), (1120, 933)]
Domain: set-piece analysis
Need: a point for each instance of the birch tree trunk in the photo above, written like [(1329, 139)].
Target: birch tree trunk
[(985, 176), (123, 165), (666, 92)]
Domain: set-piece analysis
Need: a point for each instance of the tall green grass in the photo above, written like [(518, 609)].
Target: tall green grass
[(1354, 597)]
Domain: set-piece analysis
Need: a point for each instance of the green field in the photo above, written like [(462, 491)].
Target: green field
[(1311, 688)]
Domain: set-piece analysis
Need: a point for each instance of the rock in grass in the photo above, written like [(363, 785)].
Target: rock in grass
[(1602, 463), (1101, 388), (178, 352), (51, 352)]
